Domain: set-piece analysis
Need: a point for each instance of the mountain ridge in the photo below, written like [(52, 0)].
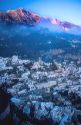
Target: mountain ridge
[(22, 16)]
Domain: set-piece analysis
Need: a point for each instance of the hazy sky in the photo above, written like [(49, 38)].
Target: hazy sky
[(66, 10)]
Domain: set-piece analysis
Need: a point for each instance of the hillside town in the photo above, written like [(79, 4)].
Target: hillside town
[(42, 91)]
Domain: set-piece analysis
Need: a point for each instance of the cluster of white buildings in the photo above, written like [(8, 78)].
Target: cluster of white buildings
[(40, 74), (33, 81)]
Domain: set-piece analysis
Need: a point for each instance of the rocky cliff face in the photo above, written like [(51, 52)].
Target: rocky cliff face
[(20, 16)]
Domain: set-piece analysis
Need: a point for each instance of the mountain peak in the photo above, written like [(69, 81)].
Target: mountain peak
[(55, 21), (19, 16)]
